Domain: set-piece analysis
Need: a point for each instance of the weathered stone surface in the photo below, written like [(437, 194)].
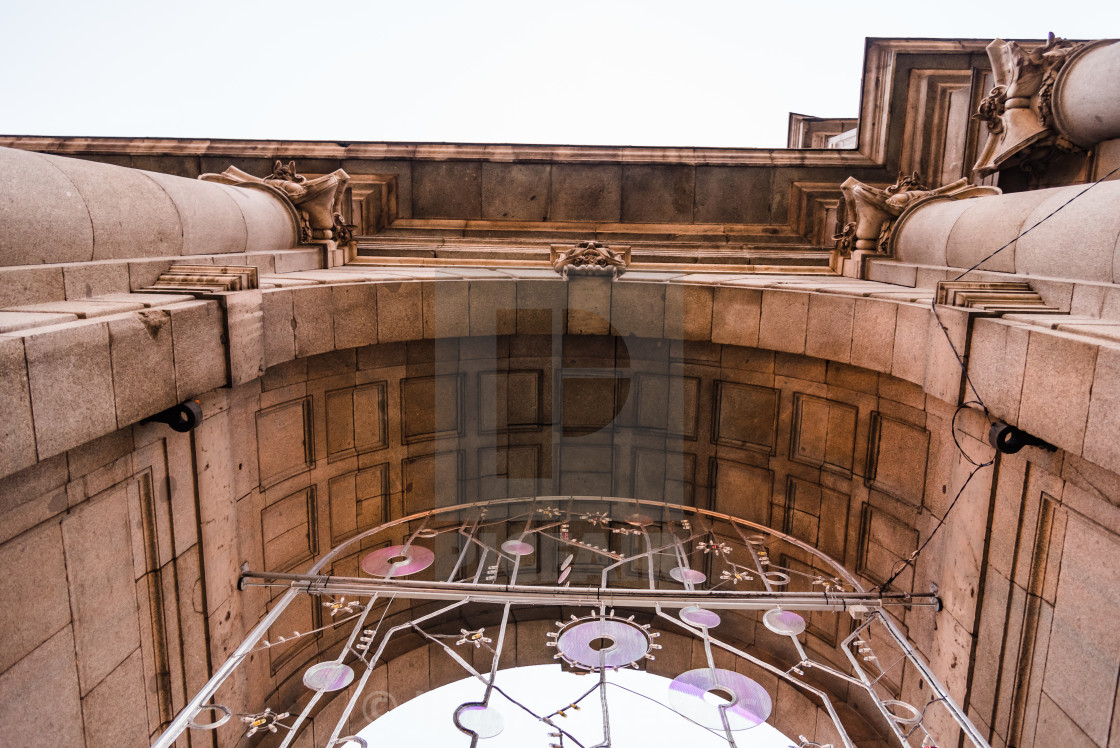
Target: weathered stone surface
[(829, 328), (638, 309), (1056, 384), (784, 321), (198, 329), (735, 316), (399, 312), (106, 722), (446, 189), (33, 588), (515, 192), (355, 315), (313, 320), (71, 381), (657, 193), (17, 430), (1103, 424), (100, 572), (39, 703), (586, 192), (55, 201), (589, 306), (141, 342)]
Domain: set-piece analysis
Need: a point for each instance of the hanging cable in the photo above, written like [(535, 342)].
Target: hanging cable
[(977, 466)]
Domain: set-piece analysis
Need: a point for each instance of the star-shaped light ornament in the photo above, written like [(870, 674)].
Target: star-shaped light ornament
[(477, 638), (266, 720), (599, 519), (735, 576), (713, 546), (341, 605)]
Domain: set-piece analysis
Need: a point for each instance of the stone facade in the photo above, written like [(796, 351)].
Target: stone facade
[(740, 363)]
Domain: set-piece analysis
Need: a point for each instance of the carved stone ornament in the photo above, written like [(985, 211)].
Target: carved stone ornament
[(1018, 110), (590, 258), (314, 201), (872, 212)]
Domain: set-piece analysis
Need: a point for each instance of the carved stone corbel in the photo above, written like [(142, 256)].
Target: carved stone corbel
[(316, 202), (589, 258), (1019, 109), (872, 212)]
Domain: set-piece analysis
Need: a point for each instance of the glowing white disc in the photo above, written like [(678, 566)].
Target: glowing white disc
[(485, 721), (699, 617), (684, 575), (783, 622), (328, 676), (749, 707)]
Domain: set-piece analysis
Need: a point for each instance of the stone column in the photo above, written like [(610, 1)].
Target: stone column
[(1081, 242), (64, 210), (1086, 97)]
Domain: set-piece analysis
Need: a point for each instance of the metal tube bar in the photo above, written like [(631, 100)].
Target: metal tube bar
[(594, 596)]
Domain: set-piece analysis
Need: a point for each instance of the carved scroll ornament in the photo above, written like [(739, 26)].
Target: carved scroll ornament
[(589, 258), (314, 201), (873, 212), (1018, 110)]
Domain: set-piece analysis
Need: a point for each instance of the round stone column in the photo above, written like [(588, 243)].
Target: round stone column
[(1086, 96)]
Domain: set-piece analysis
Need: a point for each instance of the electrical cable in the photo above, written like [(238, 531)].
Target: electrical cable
[(977, 466)]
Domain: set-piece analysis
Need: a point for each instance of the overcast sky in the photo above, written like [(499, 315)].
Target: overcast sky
[(610, 73)]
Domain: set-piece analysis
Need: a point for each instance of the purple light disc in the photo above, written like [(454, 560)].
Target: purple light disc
[(783, 622), (628, 643), (751, 707), (328, 676), (517, 548), (699, 617), (485, 721), (685, 575), (639, 520), (380, 563), (564, 575)]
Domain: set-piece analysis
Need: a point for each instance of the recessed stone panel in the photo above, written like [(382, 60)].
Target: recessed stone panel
[(897, 457), (822, 432), (669, 404), (288, 531), (356, 420), (431, 407), (509, 400), (284, 444), (431, 481), (817, 516), (741, 490), (885, 543), (358, 501), (744, 415), (99, 568)]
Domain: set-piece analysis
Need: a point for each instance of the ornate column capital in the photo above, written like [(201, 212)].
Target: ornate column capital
[(1019, 110)]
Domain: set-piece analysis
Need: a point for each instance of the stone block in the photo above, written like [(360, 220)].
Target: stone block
[(355, 315), (873, 334), (312, 308), (515, 192), (784, 321), (1101, 444), (732, 194), (17, 430), (39, 702), (446, 311), (997, 358), (71, 380), (400, 310), (212, 221), (657, 193), (1056, 384), (99, 568), (50, 199), (638, 309), (911, 333), (447, 189), (95, 279), (586, 192), (198, 332), (735, 316), (279, 327), (36, 603), (589, 306), (111, 711), (542, 306), (695, 311), (143, 364), (829, 327), (30, 285), (245, 335)]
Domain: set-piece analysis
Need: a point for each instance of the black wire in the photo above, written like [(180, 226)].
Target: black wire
[(964, 371)]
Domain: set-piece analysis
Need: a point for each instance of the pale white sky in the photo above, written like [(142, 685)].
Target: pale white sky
[(426, 721), (602, 72)]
